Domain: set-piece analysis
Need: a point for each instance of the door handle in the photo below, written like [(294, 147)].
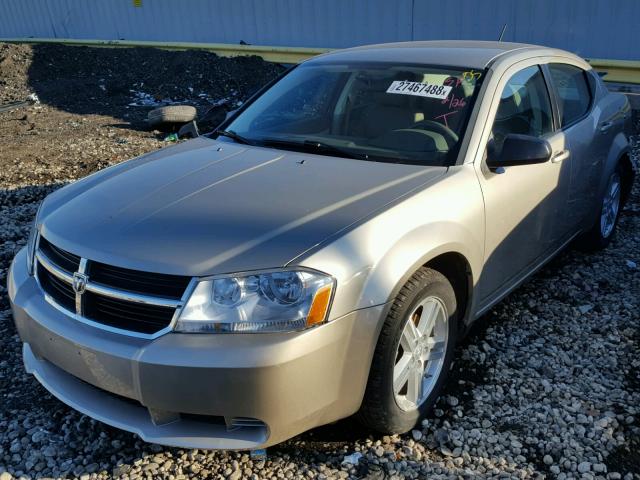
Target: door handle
[(560, 156), (605, 126)]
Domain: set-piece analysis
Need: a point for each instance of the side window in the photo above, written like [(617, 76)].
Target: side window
[(524, 107), (574, 94)]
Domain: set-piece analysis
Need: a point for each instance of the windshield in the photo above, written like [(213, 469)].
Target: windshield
[(387, 112)]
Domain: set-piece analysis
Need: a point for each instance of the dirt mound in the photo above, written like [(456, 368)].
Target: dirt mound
[(106, 81), (15, 61), (84, 120)]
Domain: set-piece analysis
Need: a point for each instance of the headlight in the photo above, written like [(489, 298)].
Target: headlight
[(31, 243), (275, 301)]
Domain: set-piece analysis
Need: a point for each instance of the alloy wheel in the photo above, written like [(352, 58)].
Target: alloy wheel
[(420, 353), (610, 206)]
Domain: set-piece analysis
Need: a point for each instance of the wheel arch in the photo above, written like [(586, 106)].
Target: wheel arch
[(457, 269), (619, 154), (628, 174)]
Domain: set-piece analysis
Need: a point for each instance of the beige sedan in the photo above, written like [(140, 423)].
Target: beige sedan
[(321, 252)]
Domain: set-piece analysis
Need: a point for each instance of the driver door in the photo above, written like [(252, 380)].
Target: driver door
[(523, 204)]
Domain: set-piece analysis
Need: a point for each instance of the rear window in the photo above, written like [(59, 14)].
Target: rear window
[(574, 93)]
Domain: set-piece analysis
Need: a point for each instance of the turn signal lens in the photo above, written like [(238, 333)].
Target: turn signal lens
[(319, 306)]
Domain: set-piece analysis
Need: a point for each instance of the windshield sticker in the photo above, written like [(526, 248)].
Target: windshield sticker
[(419, 89)]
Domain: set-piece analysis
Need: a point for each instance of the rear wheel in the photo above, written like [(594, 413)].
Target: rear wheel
[(413, 355), (601, 233)]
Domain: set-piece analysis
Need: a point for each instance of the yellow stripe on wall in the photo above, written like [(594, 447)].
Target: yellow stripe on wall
[(622, 71)]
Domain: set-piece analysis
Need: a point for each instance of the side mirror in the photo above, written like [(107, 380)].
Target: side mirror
[(518, 150), (214, 116), (189, 130)]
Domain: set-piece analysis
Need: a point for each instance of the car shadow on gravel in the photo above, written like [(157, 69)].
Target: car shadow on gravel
[(627, 457)]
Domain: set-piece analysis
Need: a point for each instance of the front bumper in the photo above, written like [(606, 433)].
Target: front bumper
[(226, 391)]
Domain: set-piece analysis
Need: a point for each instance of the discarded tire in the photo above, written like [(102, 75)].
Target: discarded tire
[(171, 114)]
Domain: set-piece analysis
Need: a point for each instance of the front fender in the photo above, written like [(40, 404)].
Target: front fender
[(372, 261), (416, 249)]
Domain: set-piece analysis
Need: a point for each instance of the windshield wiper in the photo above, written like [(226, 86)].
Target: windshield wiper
[(326, 147), (235, 137), (313, 146)]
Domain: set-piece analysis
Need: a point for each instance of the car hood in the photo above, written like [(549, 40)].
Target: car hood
[(206, 207)]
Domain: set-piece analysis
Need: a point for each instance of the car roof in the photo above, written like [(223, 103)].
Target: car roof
[(455, 53)]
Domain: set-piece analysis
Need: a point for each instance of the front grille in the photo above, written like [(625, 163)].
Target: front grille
[(245, 422), (61, 291), (163, 285), (124, 314), (209, 419), (116, 297), (65, 260)]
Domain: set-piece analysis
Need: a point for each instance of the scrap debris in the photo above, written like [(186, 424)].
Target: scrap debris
[(31, 100)]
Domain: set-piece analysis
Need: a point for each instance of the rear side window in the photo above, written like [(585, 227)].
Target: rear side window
[(574, 94)]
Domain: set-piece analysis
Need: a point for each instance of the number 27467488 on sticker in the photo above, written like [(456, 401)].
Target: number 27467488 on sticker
[(419, 89)]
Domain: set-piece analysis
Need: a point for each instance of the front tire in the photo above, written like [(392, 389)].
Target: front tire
[(413, 355), (602, 232)]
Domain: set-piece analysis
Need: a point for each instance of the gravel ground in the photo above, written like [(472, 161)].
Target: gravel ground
[(546, 385)]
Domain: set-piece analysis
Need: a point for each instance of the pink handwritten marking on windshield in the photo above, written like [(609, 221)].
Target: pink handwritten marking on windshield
[(444, 117), (454, 102), (453, 82)]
